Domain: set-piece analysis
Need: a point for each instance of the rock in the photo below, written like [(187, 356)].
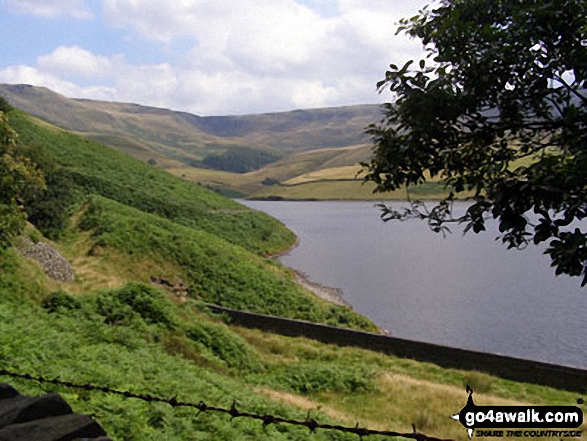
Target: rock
[(53, 263), (44, 418), (59, 428)]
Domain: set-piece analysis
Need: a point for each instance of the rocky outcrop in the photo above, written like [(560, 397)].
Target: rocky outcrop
[(180, 288), (44, 418), (53, 263)]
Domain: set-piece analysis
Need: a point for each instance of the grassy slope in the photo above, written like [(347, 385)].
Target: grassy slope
[(216, 243), (119, 177), (216, 270), (281, 171), (175, 139), (155, 128), (150, 344), (325, 174)]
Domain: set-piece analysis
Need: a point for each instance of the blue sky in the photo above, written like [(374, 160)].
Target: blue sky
[(209, 57)]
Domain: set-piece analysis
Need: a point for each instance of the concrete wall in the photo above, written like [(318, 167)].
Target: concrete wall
[(561, 377)]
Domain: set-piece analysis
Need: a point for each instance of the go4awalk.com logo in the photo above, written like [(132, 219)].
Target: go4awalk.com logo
[(520, 421)]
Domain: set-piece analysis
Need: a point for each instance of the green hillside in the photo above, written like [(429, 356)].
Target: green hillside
[(105, 171), (159, 130), (128, 222), (236, 155), (254, 156)]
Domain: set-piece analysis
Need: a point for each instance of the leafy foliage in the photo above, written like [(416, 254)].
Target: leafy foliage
[(136, 299), (5, 106), (322, 377), (59, 301), (239, 160), (19, 179), (201, 359), (502, 112), (49, 210)]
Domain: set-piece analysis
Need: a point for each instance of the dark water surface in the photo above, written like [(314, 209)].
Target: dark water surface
[(462, 291)]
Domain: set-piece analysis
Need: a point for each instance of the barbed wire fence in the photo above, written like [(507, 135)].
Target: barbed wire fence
[(266, 419)]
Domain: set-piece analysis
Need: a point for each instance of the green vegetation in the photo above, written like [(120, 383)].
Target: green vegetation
[(234, 156), (122, 222), (101, 170), (185, 137), (344, 189), (138, 338), (19, 179), (216, 270), (239, 160), (5, 106)]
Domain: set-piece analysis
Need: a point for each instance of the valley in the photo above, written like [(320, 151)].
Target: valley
[(127, 223)]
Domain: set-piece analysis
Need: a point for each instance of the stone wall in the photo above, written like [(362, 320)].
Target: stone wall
[(561, 377)]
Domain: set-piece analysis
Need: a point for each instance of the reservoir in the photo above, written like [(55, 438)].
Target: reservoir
[(466, 291)]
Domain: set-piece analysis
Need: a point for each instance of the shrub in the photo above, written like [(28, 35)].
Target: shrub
[(322, 377), (478, 381), (121, 305), (225, 345), (60, 300)]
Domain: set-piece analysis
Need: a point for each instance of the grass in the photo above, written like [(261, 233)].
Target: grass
[(298, 164), (327, 174), (181, 136), (104, 171), (137, 338), (217, 271), (345, 189), (348, 172), (401, 392)]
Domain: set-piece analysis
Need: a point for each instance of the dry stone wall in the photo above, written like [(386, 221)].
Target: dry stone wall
[(561, 377)]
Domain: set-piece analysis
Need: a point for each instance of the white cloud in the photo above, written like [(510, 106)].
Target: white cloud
[(78, 9), (250, 56), (34, 76), (73, 60), (272, 37)]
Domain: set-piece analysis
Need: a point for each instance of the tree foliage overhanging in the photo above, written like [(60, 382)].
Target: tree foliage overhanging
[(498, 109), (19, 180)]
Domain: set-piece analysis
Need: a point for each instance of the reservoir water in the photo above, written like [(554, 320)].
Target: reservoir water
[(460, 291)]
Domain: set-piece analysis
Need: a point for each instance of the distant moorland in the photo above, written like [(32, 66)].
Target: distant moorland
[(302, 154)]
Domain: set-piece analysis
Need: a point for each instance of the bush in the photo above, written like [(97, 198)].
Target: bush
[(322, 377), (225, 345), (478, 381), (60, 300), (121, 306), (5, 105)]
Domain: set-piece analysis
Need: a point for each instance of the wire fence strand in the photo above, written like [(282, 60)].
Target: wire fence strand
[(201, 406)]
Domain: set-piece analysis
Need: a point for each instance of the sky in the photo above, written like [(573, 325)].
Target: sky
[(208, 57)]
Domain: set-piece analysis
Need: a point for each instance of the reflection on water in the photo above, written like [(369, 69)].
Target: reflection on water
[(462, 291)]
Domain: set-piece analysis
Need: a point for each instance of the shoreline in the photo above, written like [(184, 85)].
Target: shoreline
[(328, 293)]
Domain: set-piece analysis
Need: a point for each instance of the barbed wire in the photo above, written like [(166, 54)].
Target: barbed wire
[(201, 406)]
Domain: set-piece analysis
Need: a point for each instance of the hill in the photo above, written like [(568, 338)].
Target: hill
[(173, 134), (237, 155), (112, 326)]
